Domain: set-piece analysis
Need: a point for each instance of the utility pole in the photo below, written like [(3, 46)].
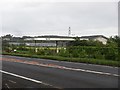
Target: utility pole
[(69, 32)]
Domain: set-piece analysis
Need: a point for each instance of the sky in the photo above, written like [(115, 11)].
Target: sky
[(35, 18)]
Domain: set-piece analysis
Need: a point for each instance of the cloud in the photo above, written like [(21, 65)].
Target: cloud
[(38, 18)]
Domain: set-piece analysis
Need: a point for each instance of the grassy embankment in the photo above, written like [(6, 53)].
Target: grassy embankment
[(70, 59)]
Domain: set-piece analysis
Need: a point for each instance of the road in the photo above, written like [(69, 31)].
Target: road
[(21, 72)]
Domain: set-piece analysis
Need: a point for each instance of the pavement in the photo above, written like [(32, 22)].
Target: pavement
[(22, 72)]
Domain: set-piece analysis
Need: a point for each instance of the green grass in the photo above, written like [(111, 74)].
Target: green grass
[(80, 60)]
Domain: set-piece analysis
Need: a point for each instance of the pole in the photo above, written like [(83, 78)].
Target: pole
[(35, 46), (57, 47)]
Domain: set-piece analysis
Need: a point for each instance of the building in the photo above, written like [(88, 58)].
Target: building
[(51, 40), (48, 40), (100, 38)]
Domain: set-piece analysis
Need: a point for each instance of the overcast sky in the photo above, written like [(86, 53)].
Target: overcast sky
[(54, 18)]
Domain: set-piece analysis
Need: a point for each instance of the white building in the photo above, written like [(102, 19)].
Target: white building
[(100, 38)]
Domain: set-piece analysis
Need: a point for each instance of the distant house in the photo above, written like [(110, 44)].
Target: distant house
[(100, 38)]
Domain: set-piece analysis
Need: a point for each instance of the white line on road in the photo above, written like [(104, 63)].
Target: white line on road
[(26, 78), (11, 81), (90, 71), (73, 69), (78, 69)]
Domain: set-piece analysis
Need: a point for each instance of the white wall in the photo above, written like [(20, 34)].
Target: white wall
[(101, 39)]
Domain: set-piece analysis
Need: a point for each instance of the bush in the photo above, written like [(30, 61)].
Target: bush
[(63, 52), (94, 52)]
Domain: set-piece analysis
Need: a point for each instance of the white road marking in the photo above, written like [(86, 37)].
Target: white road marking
[(73, 69), (26, 78), (77, 69), (7, 85), (11, 81), (90, 71)]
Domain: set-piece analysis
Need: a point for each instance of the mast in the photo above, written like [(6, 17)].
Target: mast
[(69, 32)]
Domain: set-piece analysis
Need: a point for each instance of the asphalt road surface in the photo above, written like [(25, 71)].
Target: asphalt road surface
[(21, 72)]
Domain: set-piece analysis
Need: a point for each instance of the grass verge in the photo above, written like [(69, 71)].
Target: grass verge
[(80, 60)]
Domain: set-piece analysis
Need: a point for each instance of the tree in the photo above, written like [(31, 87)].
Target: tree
[(8, 36), (114, 41)]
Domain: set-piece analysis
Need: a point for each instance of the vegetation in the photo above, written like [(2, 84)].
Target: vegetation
[(81, 60), (76, 51)]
